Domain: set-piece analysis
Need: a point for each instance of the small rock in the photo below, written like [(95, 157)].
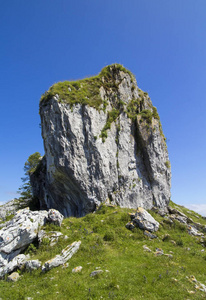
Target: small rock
[(150, 235), (77, 269), (147, 248), (145, 221), (169, 255), (61, 259), (55, 217), (130, 225), (13, 277), (31, 265), (95, 273)]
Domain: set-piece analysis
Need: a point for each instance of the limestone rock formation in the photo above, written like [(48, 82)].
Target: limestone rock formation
[(19, 233), (103, 140)]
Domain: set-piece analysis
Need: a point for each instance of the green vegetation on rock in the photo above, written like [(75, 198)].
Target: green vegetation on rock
[(85, 91)]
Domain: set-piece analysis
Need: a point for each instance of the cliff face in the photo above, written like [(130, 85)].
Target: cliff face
[(103, 142)]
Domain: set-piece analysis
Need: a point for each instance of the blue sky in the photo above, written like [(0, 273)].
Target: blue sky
[(163, 42)]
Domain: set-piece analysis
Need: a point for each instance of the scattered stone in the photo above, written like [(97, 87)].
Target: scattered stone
[(19, 232), (95, 273), (58, 260), (16, 262), (198, 285), (77, 269), (150, 235), (145, 221), (13, 277), (147, 248), (193, 231), (169, 255), (31, 265), (159, 252), (173, 242), (130, 225), (55, 217)]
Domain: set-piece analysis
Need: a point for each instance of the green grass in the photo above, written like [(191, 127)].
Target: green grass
[(108, 245)]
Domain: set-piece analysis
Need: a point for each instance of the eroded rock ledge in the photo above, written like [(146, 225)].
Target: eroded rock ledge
[(103, 140)]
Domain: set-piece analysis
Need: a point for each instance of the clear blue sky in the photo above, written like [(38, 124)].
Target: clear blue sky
[(163, 42)]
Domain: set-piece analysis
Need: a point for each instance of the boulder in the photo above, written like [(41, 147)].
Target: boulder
[(61, 259), (55, 217), (13, 277), (145, 221), (18, 233), (16, 262), (31, 265)]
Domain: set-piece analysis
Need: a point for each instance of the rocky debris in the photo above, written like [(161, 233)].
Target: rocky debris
[(145, 221), (13, 277), (95, 273), (91, 152), (16, 262), (52, 236), (198, 285), (61, 259), (193, 231), (18, 233), (77, 269), (150, 235), (130, 225), (31, 265), (147, 248), (55, 217), (159, 252)]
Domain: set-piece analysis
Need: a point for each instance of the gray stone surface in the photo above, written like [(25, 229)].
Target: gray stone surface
[(13, 277), (18, 233), (16, 262), (55, 217), (145, 221), (31, 265), (80, 171), (61, 259), (95, 273)]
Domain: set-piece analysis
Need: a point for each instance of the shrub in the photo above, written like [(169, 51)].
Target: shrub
[(109, 236)]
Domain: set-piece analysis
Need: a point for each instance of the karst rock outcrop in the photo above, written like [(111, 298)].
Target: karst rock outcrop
[(103, 142)]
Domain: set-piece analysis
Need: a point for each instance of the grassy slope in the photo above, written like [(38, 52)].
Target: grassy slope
[(133, 273)]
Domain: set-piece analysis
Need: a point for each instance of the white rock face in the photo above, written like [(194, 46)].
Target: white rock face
[(18, 234), (80, 170), (145, 221), (61, 259)]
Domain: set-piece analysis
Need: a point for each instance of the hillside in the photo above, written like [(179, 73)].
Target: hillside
[(129, 270)]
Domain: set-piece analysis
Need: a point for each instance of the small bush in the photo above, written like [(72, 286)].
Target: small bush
[(109, 236)]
